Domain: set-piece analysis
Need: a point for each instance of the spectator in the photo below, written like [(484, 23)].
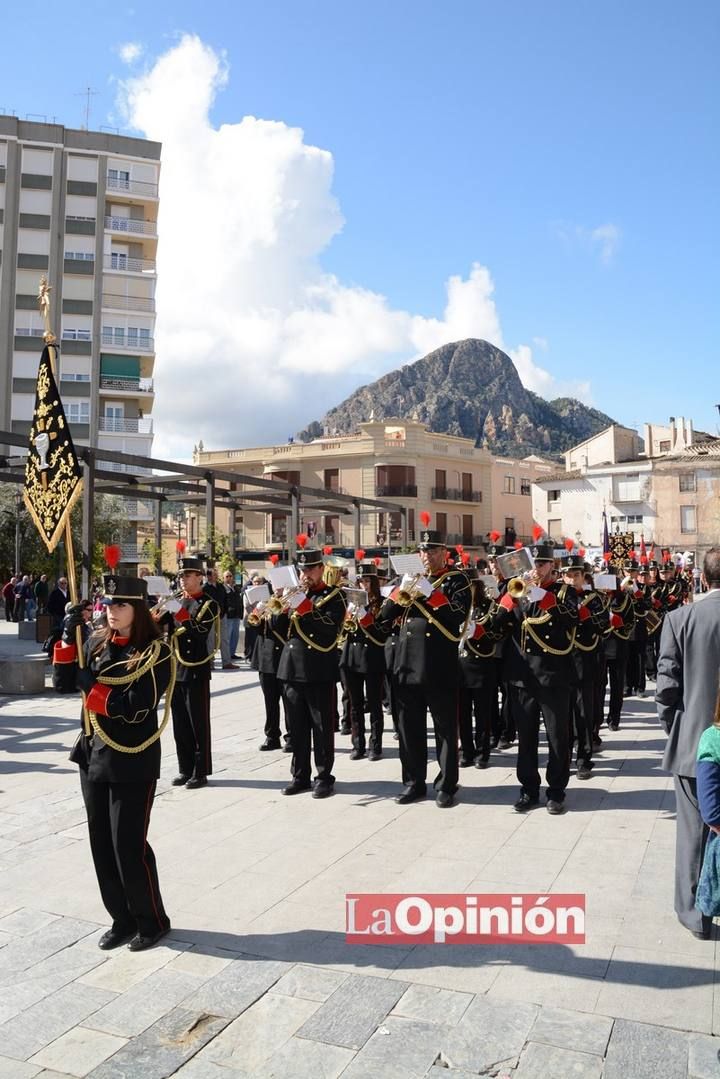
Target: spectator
[(31, 604), (686, 692), (23, 593), (697, 578), (41, 593), (251, 631), (57, 601), (215, 590), (231, 622), (8, 594)]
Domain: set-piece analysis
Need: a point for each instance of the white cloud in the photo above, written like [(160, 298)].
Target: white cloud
[(603, 241), (254, 339), (130, 52)]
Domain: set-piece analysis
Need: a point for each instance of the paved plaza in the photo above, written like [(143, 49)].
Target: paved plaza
[(256, 979)]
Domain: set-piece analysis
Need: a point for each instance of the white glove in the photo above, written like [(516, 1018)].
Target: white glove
[(351, 608), (173, 605), (360, 613), (536, 594), (470, 631), (424, 587), (296, 600), (407, 582)]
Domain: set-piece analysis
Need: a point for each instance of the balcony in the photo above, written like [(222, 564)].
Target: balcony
[(114, 301), (454, 494), (125, 426), (126, 385), (128, 344), (631, 492), (120, 261), (130, 225), (397, 490), (454, 538), (133, 187)]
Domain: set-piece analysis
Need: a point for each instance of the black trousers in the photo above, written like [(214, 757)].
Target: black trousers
[(616, 671), (583, 713), (311, 712), (483, 702), (118, 819), (344, 724), (635, 670), (553, 704), (414, 702), (599, 696), (365, 688), (272, 689), (392, 698), (691, 835), (191, 727), (652, 651), (508, 723)]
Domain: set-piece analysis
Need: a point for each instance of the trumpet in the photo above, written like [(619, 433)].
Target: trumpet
[(518, 587), (160, 607), (406, 595), (278, 604), (261, 611), (627, 584)]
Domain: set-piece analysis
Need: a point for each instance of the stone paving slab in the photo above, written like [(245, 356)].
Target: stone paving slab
[(256, 977)]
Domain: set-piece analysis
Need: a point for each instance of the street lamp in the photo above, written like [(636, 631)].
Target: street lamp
[(18, 505)]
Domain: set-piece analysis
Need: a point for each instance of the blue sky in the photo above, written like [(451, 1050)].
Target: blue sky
[(570, 148)]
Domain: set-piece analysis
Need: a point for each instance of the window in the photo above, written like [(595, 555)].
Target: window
[(119, 179), (331, 479), (70, 334), (665, 446), (441, 523), (81, 256), (509, 485), (25, 331), (687, 519), (553, 496), (688, 482), (73, 376), (78, 411), (524, 485)]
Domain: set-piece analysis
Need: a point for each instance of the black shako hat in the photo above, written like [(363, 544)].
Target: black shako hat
[(573, 561), (430, 537), (191, 564), (367, 569), (123, 589), (543, 552), (309, 556)]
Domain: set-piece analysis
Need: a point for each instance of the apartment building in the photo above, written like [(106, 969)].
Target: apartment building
[(81, 207), (669, 495), (401, 460)]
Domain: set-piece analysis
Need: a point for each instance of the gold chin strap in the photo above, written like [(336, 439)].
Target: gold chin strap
[(144, 665)]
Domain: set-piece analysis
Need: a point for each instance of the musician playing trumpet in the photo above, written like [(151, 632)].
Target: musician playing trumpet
[(433, 609), (310, 622), (362, 664)]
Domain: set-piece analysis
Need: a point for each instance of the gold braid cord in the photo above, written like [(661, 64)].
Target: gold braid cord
[(144, 666), (211, 655), (295, 622), (433, 621)]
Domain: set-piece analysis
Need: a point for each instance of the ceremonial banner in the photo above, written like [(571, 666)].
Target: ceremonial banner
[(621, 543), (53, 474)]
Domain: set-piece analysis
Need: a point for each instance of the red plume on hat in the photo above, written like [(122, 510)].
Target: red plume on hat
[(652, 549), (274, 558), (327, 549), (465, 558), (631, 554), (112, 555), (517, 545), (569, 544), (301, 539), (494, 536), (459, 548), (377, 560), (359, 554), (581, 552), (180, 546), (424, 518), (537, 532), (643, 552)]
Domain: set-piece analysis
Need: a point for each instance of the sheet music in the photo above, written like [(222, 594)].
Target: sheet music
[(283, 577), (158, 586), (407, 563), (257, 593)]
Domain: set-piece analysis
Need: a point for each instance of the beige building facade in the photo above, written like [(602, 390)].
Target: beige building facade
[(81, 207), (466, 490)]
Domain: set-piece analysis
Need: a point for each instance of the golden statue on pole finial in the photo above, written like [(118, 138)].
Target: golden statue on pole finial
[(43, 297)]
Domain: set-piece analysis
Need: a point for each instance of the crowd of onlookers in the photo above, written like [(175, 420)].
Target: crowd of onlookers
[(25, 596)]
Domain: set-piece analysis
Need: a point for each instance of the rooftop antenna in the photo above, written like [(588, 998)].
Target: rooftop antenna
[(87, 93)]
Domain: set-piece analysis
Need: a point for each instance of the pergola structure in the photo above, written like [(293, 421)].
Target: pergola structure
[(168, 481)]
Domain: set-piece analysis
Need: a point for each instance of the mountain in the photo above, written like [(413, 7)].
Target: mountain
[(468, 388)]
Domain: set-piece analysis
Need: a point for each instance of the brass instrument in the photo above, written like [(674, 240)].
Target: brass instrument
[(517, 587), (159, 608), (259, 613), (653, 621), (627, 584), (278, 604), (408, 594)]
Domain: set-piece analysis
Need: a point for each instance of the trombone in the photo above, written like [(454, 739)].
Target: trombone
[(261, 611), (409, 593), (278, 604), (160, 607)]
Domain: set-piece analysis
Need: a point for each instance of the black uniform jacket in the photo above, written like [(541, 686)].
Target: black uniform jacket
[(542, 635), (592, 627), (430, 630), (364, 647), (124, 700), (622, 623), (268, 649), (193, 623), (479, 651), (311, 633)]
